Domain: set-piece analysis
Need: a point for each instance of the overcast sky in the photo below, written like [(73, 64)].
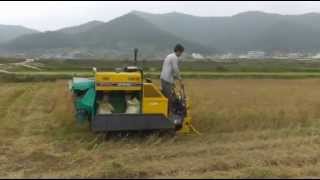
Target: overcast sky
[(54, 15)]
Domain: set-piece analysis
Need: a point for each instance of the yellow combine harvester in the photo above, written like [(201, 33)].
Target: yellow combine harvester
[(124, 101)]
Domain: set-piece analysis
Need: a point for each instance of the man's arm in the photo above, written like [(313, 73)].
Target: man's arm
[(176, 68), (177, 71)]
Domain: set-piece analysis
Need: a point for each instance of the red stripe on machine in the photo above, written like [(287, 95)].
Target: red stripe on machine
[(117, 84)]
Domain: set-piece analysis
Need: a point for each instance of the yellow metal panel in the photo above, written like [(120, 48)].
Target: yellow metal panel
[(187, 125), (118, 77), (150, 90), (187, 122), (155, 106), (153, 100), (118, 81)]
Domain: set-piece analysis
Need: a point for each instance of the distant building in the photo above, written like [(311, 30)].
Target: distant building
[(256, 55), (243, 57), (29, 60), (294, 55), (197, 56), (317, 56), (227, 56)]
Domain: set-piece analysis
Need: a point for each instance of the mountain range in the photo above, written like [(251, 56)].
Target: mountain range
[(158, 33), (10, 32)]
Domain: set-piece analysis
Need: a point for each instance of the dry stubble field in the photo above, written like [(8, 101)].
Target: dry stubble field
[(250, 128)]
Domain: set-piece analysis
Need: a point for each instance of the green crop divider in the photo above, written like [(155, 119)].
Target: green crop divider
[(85, 101)]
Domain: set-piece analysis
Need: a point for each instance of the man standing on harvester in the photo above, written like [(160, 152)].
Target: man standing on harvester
[(170, 72)]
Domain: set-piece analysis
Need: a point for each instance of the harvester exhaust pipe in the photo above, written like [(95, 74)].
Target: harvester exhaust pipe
[(135, 56)]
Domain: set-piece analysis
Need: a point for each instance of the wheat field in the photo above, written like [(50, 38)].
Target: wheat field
[(250, 128)]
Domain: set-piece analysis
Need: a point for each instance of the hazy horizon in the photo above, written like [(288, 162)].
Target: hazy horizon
[(49, 16)]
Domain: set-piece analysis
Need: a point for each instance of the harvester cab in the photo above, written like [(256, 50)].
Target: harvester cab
[(122, 100)]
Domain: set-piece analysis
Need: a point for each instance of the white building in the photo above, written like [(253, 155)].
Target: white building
[(243, 57), (29, 60), (294, 55), (317, 56), (227, 56), (197, 56), (256, 54)]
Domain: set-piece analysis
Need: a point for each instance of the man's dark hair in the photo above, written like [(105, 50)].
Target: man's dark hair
[(178, 47)]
